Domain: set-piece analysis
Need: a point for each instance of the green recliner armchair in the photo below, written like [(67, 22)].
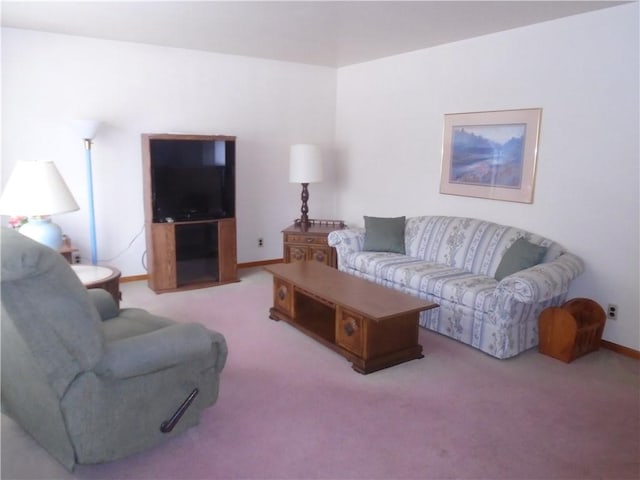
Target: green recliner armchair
[(92, 383)]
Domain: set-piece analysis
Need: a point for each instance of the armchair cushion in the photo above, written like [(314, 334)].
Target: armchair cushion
[(104, 303), (131, 322), (62, 330), (156, 350)]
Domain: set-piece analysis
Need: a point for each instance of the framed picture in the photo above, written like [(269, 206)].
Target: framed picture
[(491, 154)]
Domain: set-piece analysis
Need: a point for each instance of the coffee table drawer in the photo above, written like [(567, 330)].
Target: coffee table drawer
[(350, 330)]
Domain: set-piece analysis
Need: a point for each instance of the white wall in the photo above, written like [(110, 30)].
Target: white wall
[(48, 80), (582, 71)]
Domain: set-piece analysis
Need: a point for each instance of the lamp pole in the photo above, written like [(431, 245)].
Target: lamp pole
[(87, 129), (92, 217)]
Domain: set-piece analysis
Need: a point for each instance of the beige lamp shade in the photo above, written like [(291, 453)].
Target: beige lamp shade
[(305, 164), (36, 189)]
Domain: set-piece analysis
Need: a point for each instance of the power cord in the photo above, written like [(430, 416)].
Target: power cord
[(127, 247)]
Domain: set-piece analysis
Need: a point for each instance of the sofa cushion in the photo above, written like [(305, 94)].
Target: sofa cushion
[(521, 255), (416, 276), (474, 245), (384, 234)]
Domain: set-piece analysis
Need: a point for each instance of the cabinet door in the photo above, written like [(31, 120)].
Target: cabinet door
[(162, 263), (227, 255), (320, 254), (295, 253), (350, 331)]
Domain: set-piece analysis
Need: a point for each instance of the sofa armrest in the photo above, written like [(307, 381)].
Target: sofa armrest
[(160, 349), (104, 303), (349, 240), (544, 281)]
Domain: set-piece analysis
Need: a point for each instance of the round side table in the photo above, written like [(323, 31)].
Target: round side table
[(98, 276)]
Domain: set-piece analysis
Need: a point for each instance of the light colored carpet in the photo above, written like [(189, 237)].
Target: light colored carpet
[(290, 408)]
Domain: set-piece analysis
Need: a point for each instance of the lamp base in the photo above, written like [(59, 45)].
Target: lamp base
[(43, 230), (304, 210)]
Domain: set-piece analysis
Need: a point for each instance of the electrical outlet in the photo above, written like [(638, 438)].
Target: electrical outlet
[(612, 312), (260, 242), (76, 258)]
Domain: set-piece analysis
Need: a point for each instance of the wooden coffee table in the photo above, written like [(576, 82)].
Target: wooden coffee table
[(372, 326)]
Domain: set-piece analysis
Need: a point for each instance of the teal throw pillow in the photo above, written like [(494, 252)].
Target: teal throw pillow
[(384, 234), (522, 254)]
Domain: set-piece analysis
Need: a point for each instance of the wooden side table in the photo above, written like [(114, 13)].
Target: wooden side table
[(67, 250), (96, 276), (302, 243)]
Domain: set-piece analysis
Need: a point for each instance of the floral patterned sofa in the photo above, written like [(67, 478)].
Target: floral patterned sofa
[(453, 262)]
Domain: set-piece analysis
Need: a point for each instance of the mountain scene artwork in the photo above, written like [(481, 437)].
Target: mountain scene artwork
[(488, 155)]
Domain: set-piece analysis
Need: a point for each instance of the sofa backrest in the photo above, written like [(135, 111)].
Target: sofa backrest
[(50, 309), (468, 243)]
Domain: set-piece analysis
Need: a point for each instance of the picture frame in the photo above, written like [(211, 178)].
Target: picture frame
[(491, 155)]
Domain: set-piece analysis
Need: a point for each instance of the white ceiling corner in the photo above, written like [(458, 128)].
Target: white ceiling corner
[(329, 33)]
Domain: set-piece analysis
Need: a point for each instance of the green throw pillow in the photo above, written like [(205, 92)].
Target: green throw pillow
[(522, 254), (384, 234)]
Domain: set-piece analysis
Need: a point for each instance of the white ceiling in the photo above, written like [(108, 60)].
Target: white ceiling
[(316, 32)]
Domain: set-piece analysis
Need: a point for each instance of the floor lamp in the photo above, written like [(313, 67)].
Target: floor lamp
[(305, 167), (87, 130)]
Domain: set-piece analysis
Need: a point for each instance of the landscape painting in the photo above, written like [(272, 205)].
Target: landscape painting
[(491, 154), (488, 155)]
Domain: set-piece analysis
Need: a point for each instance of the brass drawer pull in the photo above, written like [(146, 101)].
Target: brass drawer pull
[(348, 329)]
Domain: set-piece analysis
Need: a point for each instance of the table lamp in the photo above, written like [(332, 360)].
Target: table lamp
[(305, 167), (37, 190)]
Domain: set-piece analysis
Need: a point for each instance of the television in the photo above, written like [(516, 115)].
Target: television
[(192, 179)]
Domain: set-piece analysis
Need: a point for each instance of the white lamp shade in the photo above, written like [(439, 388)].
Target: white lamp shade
[(305, 164), (36, 189), (86, 129)]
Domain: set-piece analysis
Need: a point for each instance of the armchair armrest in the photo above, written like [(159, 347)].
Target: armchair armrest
[(104, 303), (544, 281), (160, 349)]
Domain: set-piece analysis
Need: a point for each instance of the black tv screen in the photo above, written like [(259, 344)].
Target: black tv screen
[(192, 179)]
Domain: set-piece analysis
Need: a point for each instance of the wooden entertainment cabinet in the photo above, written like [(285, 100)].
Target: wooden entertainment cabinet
[(186, 253)]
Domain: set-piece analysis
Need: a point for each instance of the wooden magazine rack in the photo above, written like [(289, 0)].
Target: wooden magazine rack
[(572, 330)]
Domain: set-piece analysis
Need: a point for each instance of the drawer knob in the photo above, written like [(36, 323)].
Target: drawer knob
[(348, 329), (308, 239), (281, 294)]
